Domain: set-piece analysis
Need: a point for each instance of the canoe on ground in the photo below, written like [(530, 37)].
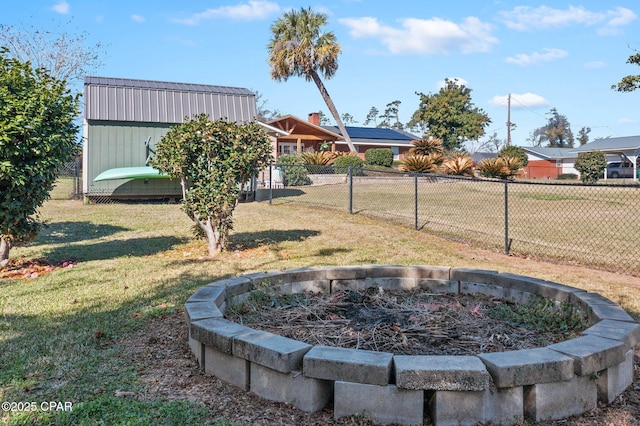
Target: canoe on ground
[(130, 173)]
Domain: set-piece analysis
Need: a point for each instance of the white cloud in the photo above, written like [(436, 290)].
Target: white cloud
[(595, 65), (251, 11), (137, 18), (525, 100), (526, 18), (626, 121), (429, 36), (546, 55), (459, 81), (61, 7)]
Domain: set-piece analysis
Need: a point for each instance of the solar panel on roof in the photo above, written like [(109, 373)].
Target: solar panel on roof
[(372, 133)]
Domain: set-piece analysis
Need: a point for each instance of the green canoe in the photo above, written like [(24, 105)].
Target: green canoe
[(130, 173)]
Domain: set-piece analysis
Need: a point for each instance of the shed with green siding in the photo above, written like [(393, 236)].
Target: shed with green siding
[(124, 119)]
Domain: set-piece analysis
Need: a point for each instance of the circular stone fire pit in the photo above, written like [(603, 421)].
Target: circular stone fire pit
[(554, 382)]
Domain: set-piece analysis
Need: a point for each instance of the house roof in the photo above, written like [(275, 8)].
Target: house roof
[(479, 156), (122, 99), (376, 135), (624, 143), (551, 153), (302, 129)]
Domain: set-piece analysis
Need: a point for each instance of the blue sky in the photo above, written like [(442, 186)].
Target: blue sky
[(547, 55)]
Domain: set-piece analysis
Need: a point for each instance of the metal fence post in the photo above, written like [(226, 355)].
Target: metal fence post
[(270, 182), (506, 218), (350, 189), (415, 191)]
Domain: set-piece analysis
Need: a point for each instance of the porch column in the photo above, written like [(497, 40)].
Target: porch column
[(299, 146)]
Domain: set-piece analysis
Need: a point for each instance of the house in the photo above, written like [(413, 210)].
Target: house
[(125, 118), (310, 135), (549, 163), (625, 148)]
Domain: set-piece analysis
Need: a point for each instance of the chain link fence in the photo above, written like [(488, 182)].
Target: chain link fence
[(69, 183), (594, 225)]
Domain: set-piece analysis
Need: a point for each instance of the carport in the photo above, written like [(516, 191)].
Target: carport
[(626, 148)]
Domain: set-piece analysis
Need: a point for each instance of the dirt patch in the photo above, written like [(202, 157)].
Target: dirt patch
[(409, 322), (23, 268)]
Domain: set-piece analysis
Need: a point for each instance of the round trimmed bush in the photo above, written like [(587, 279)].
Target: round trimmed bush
[(379, 157), (342, 163)]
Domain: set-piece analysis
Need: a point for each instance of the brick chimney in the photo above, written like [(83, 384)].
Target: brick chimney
[(314, 118)]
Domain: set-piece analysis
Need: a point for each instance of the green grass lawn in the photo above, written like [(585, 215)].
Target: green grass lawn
[(62, 333)]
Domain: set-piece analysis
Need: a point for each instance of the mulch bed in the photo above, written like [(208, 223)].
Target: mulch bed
[(30, 268), (401, 322)]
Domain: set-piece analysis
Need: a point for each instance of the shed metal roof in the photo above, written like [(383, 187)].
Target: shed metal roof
[(121, 99)]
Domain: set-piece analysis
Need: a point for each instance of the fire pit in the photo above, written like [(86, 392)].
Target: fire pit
[(552, 382)]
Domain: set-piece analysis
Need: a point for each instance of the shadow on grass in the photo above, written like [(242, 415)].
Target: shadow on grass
[(70, 232), (247, 240), (113, 249)]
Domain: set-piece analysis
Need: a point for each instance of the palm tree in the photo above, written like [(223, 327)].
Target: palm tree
[(297, 47)]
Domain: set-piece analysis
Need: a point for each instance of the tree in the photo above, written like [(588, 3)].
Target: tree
[(450, 115), (372, 116), (583, 135), (64, 55), (299, 48), (390, 116), (515, 152), (348, 118), (212, 160), (557, 132), (324, 120), (37, 136), (263, 114), (591, 166), (630, 82)]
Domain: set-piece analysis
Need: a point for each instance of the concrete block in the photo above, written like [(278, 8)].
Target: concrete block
[(480, 276), (217, 333), (599, 308), (227, 368), (351, 284), (500, 407), (197, 349), (527, 367), (520, 297), (345, 273), (214, 294), (438, 286), (319, 286), (391, 283), (353, 365), (553, 401), (591, 353), (195, 311), (616, 379), (428, 272), (479, 288), (384, 271), (294, 388), (234, 286), (626, 332), (270, 350), (451, 373), (543, 288), (382, 404)]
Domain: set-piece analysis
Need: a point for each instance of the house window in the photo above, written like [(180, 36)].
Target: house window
[(288, 148), (396, 152), (558, 163)]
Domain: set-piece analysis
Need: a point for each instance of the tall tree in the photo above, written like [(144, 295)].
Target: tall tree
[(263, 113), (557, 132), (37, 136), (348, 118), (390, 116), (298, 47), (583, 135), (630, 82), (372, 116), (212, 160), (450, 115), (64, 55)]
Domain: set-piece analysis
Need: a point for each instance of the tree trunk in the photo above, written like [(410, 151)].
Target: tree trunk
[(333, 110), (214, 245), (5, 246)]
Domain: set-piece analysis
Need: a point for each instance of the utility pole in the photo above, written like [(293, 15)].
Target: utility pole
[(509, 120)]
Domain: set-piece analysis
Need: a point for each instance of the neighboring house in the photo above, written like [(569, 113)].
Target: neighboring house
[(625, 148), (309, 135), (125, 118), (549, 163), (477, 157)]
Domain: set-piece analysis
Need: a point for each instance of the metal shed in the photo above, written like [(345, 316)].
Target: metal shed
[(125, 118)]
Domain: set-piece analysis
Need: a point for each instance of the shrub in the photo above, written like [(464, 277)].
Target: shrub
[(517, 152), (293, 173), (419, 163), (426, 146), (591, 166), (459, 164), (567, 176), (342, 163), (495, 168), (379, 157), (319, 158)]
